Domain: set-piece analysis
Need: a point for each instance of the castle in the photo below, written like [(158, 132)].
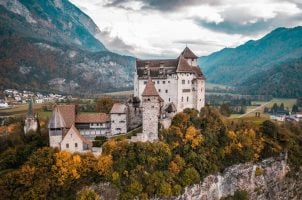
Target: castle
[(165, 87), (178, 81), (161, 89)]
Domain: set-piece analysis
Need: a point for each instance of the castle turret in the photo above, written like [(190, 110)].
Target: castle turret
[(56, 126), (151, 103), (189, 56)]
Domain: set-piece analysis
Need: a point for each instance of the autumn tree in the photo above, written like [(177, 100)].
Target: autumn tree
[(225, 110), (88, 194), (104, 104)]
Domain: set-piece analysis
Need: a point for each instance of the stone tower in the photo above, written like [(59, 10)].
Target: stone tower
[(56, 126), (31, 122), (151, 104)]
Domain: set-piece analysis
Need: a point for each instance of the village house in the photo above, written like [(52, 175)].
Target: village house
[(65, 122)]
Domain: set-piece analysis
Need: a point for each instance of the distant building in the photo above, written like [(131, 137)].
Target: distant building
[(31, 121)]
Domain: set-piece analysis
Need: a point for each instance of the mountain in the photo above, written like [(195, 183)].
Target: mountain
[(51, 46), (234, 66), (52, 20), (284, 80)]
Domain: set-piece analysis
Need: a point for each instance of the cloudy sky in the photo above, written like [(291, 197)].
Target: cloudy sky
[(162, 28)]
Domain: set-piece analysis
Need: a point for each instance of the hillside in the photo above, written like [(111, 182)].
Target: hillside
[(56, 21), (284, 80), (233, 66), (42, 66), (50, 46)]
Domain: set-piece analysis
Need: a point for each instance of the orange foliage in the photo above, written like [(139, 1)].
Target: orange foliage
[(104, 164), (193, 136)]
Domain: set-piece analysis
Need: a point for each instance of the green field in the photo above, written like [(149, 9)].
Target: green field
[(258, 106)]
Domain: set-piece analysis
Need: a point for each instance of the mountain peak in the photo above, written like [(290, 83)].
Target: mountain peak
[(56, 21)]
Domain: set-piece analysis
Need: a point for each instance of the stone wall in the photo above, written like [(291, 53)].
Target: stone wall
[(151, 112), (264, 180), (118, 123)]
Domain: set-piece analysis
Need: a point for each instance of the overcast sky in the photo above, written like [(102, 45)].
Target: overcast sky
[(162, 28)]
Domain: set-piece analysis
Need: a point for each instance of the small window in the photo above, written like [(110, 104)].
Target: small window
[(67, 145), (187, 99), (164, 82), (169, 99), (157, 82), (182, 99), (75, 145), (183, 82), (166, 91), (188, 82), (159, 90), (168, 81), (145, 82)]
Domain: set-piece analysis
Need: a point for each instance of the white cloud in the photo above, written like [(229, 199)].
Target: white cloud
[(145, 28)]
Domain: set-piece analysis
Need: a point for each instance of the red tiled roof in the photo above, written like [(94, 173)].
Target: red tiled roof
[(183, 65), (118, 108), (187, 53), (68, 113), (92, 118), (150, 89), (198, 72)]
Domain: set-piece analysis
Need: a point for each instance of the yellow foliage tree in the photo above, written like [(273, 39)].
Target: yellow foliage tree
[(247, 139), (67, 166), (104, 164), (193, 136)]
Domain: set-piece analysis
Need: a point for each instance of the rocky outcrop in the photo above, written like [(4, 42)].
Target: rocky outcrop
[(267, 179)]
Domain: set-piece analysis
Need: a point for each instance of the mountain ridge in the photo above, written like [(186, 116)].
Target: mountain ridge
[(45, 55), (232, 66)]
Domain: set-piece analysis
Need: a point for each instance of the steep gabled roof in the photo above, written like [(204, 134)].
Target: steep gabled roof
[(74, 130), (92, 118), (187, 53), (118, 108), (198, 72), (150, 89), (68, 113), (183, 65), (56, 120)]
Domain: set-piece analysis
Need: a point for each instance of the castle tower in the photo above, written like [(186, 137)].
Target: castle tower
[(190, 57), (151, 103), (31, 122), (56, 126)]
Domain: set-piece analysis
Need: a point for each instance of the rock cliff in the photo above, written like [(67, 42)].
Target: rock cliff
[(268, 179)]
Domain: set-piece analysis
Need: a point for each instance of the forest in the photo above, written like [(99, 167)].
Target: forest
[(197, 144)]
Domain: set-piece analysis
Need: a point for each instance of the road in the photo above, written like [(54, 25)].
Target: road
[(259, 107)]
